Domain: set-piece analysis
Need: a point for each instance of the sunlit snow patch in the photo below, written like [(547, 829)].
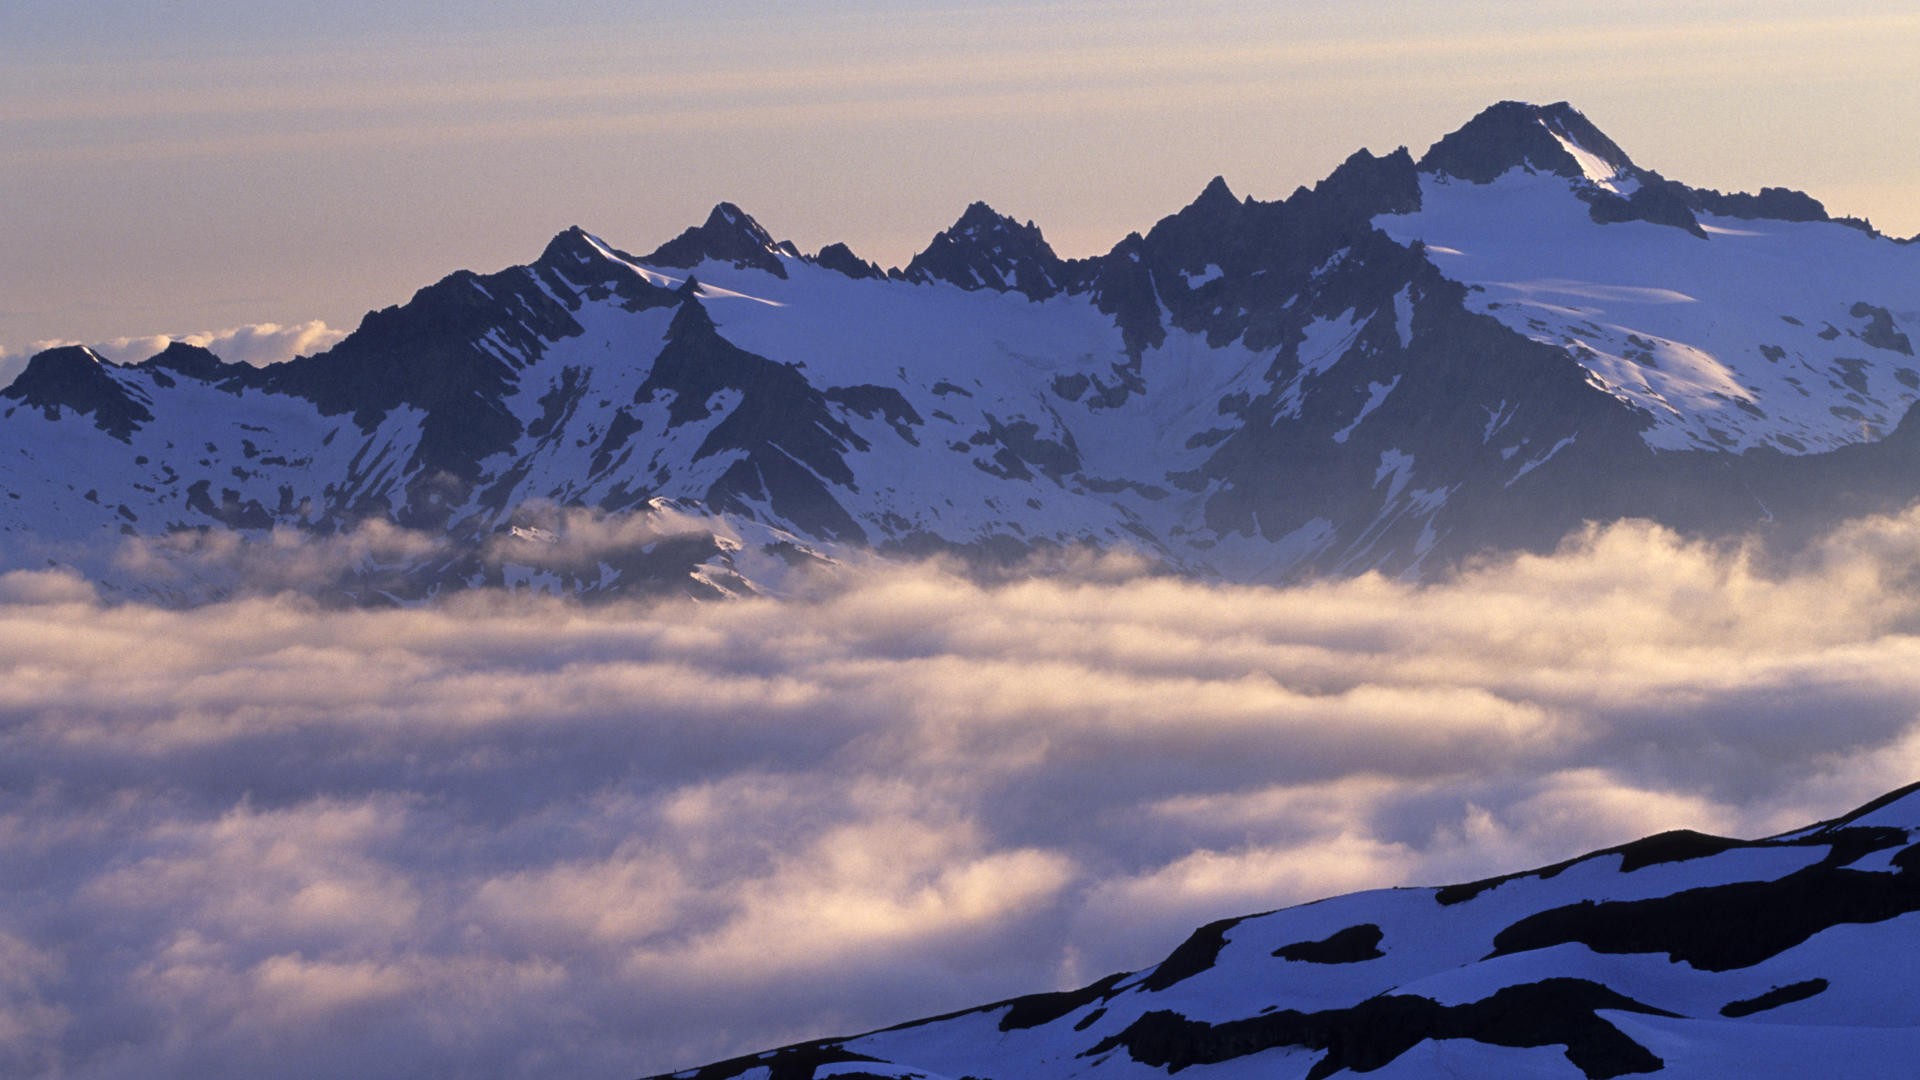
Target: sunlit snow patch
[(1726, 342)]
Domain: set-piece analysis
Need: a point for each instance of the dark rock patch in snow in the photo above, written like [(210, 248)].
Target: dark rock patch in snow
[(1372, 1034), (1880, 332), (1036, 1009), (232, 511), (791, 1063), (792, 441), (1774, 998), (1195, 955), (869, 400), (1657, 201), (1349, 946), (1723, 927)]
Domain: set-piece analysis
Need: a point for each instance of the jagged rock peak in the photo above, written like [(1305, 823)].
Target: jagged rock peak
[(1216, 193), (729, 235), (1777, 203), (1552, 138), (1558, 139), (1368, 185), (586, 262), (190, 360), (726, 216), (1216, 206), (77, 378), (572, 245), (58, 365), (841, 259), (978, 217), (985, 249), (690, 316)]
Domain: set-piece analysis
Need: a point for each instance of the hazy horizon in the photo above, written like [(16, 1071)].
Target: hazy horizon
[(206, 169)]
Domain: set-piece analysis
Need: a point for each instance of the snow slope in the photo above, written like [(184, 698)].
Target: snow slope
[(1727, 341), (1679, 955)]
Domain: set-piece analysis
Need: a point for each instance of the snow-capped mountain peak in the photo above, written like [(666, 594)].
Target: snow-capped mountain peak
[(77, 379), (1672, 296), (1555, 139), (574, 246), (729, 235), (1399, 366)]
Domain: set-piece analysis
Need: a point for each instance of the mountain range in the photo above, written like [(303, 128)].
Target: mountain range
[(1679, 955), (1410, 363), (1414, 362)]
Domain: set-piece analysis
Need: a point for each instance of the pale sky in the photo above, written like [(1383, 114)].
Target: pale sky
[(177, 167)]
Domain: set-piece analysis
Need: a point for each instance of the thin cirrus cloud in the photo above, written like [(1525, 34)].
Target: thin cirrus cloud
[(513, 836), (331, 166), (1115, 66)]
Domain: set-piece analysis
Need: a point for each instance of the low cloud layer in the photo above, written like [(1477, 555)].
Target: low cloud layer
[(649, 551), (258, 344), (511, 836)]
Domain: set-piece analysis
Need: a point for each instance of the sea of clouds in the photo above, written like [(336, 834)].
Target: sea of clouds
[(508, 835)]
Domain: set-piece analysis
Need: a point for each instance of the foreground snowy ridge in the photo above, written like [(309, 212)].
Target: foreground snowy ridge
[(1410, 363), (1682, 954)]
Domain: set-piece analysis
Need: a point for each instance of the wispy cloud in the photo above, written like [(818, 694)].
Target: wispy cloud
[(457, 92), (257, 344), (506, 835)]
